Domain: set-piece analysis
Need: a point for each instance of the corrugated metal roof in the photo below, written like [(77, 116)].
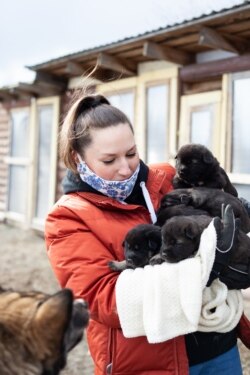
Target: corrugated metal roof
[(196, 9)]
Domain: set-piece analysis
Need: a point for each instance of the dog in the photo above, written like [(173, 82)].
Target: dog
[(38, 330), (206, 199), (181, 239), (141, 244), (196, 166)]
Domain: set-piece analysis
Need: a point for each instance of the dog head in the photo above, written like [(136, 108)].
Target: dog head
[(37, 330), (142, 243), (180, 238), (194, 162)]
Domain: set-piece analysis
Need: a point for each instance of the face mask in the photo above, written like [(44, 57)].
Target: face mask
[(118, 190)]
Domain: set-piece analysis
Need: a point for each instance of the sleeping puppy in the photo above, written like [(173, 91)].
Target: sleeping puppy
[(181, 238), (206, 199), (196, 166), (165, 213), (141, 244)]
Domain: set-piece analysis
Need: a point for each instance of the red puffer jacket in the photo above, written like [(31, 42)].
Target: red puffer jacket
[(83, 232)]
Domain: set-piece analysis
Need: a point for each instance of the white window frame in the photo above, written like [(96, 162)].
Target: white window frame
[(188, 104), (11, 216), (37, 223)]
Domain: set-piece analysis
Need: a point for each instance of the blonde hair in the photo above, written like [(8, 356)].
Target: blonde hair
[(87, 112)]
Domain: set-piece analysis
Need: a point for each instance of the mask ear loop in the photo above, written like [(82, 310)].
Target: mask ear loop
[(80, 158)]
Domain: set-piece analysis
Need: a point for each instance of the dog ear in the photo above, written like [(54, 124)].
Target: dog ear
[(190, 232), (53, 316), (208, 158)]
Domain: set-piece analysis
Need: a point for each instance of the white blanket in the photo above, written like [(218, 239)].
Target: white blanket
[(165, 301)]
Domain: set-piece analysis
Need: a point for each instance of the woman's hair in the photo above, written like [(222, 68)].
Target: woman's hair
[(88, 112)]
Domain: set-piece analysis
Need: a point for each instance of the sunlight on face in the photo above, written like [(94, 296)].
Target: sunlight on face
[(112, 155)]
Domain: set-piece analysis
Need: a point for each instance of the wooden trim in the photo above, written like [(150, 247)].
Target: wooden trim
[(211, 38), (51, 81), (107, 61), (164, 52), (74, 69), (55, 102), (198, 72)]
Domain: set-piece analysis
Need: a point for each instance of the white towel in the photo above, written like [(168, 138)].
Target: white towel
[(221, 308), (165, 301)]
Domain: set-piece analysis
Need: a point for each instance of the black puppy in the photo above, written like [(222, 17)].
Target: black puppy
[(140, 244), (181, 238), (206, 199), (196, 166)]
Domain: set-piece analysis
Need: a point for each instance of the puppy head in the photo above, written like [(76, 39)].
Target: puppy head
[(193, 162), (180, 238), (141, 243)]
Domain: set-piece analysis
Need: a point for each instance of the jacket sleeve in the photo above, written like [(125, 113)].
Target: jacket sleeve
[(79, 261)]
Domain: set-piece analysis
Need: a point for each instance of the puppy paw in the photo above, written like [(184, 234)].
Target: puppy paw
[(157, 259), (185, 199), (117, 266)]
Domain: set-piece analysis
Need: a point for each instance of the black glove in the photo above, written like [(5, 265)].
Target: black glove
[(246, 204), (227, 229)]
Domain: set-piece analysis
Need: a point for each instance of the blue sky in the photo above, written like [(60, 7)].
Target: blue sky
[(34, 31)]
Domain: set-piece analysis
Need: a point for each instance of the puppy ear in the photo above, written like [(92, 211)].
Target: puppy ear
[(189, 232), (208, 158)]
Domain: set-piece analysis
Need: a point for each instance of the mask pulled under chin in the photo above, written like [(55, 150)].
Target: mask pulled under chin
[(118, 190)]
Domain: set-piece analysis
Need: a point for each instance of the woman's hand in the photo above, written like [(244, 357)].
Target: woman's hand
[(227, 229)]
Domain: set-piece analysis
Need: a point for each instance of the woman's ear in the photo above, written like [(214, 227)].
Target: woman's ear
[(77, 158)]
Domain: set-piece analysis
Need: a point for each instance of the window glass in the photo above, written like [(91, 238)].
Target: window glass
[(125, 102), (157, 123), (17, 189), (241, 128), (243, 190), (202, 126), (45, 118), (19, 133)]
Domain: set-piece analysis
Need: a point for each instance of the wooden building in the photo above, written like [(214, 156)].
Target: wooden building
[(188, 82)]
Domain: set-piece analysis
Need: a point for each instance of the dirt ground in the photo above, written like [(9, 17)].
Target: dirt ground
[(24, 266)]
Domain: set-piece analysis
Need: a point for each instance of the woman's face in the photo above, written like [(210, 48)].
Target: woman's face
[(112, 155)]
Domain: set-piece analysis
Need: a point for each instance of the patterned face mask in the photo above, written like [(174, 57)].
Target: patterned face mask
[(118, 190)]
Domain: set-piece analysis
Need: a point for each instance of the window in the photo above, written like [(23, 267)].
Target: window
[(18, 161), (239, 132), (157, 123), (241, 128), (125, 102), (200, 121)]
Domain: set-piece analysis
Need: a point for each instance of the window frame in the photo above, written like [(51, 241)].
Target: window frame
[(37, 223), (12, 216)]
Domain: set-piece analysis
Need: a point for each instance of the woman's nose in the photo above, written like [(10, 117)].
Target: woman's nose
[(124, 169)]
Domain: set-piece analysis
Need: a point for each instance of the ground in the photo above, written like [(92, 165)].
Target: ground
[(24, 265)]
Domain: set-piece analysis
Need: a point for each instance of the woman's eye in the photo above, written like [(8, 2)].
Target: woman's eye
[(131, 155), (108, 161)]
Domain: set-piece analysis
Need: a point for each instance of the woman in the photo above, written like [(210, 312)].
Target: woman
[(105, 196)]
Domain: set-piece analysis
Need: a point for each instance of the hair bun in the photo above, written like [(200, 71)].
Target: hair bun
[(90, 102)]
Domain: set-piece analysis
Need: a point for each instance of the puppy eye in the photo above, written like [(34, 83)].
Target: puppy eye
[(195, 161), (136, 247)]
